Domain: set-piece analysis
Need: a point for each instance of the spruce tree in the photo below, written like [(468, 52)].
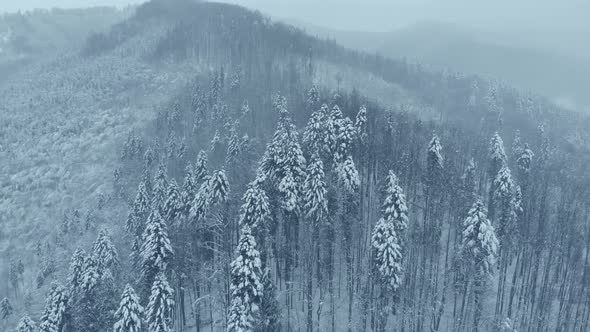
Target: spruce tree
[(26, 324), (139, 211), (160, 189), (388, 256), (173, 206), (348, 175), (158, 312), (504, 204), (156, 251), (129, 314), (360, 124), (394, 207), (246, 288), (105, 252), (218, 187), (315, 191), (76, 269), (479, 243), (52, 318), (255, 210), (387, 235), (6, 309)]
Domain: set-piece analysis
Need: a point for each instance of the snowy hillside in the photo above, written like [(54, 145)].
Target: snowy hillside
[(227, 172)]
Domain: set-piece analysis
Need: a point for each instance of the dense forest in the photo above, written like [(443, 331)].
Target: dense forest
[(199, 167)]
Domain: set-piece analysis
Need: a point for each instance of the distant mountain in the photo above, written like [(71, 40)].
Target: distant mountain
[(41, 34), (563, 78), (211, 117)]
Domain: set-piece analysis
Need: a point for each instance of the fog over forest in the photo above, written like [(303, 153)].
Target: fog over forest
[(262, 166)]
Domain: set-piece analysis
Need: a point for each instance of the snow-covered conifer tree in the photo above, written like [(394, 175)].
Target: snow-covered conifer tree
[(348, 174), (173, 206), (435, 161), (104, 251), (129, 314), (504, 200), (26, 324), (6, 308), (255, 209), (200, 168), (246, 287), (360, 124), (218, 187), (158, 312), (90, 275), (497, 155), (315, 191), (76, 269), (525, 159), (479, 243), (388, 256), (387, 234), (156, 251), (52, 318), (139, 211), (160, 189), (395, 209)]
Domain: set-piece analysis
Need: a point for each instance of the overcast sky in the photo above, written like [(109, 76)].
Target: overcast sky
[(383, 15)]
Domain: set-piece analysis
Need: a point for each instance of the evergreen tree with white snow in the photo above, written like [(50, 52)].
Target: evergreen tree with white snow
[(246, 287), (156, 250), (158, 312), (26, 324), (52, 318), (129, 315)]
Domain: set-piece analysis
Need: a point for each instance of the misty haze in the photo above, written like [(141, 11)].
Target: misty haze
[(274, 165)]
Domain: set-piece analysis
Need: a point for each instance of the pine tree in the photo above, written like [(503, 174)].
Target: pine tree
[(313, 98), (255, 210), (317, 137), (218, 187), (387, 234), (435, 161), (26, 324), (497, 155), (200, 168), (139, 211), (233, 145), (394, 206), (160, 189), (105, 252), (173, 205), (189, 188), (479, 243), (346, 134), (315, 191), (348, 175), (524, 160), (200, 205), (388, 257), (5, 308), (360, 124), (283, 162), (76, 269), (90, 275), (129, 315), (156, 251), (246, 288), (159, 309), (504, 203), (516, 145), (52, 319)]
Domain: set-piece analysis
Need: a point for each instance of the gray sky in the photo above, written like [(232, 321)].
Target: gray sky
[(383, 15)]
